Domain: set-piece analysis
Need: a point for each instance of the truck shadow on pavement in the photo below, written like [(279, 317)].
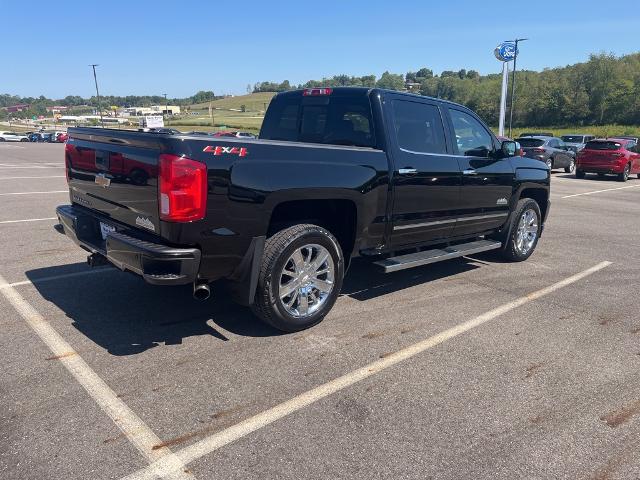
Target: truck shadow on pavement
[(125, 316), (365, 281)]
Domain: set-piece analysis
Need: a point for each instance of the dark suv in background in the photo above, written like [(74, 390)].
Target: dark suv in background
[(550, 150)]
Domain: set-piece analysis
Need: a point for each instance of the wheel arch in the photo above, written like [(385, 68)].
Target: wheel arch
[(337, 215)]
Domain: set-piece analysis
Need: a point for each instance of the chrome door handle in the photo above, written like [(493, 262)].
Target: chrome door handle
[(407, 171), (469, 171)]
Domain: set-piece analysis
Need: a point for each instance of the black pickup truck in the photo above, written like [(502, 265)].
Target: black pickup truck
[(335, 173)]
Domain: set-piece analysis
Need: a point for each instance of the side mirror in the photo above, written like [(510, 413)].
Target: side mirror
[(509, 148)]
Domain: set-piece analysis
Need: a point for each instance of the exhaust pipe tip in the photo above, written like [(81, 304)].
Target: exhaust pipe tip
[(96, 260), (201, 291)]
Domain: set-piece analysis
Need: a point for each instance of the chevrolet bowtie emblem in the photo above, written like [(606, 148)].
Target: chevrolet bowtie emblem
[(102, 180)]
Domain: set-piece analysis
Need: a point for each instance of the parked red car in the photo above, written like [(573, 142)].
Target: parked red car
[(609, 156), (62, 137)]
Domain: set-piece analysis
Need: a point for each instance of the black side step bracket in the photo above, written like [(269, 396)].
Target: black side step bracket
[(393, 264)]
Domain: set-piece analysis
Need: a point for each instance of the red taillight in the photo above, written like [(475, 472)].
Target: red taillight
[(182, 189), (312, 92)]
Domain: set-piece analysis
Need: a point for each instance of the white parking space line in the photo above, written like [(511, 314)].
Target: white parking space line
[(138, 433), (58, 277), (28, 220), (47, 164), (24, 178), (599, 191), (29, 168), (33, 193), (212, 443)]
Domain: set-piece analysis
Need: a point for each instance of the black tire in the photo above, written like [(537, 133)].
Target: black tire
[(580, 174), (624, 176), (510, 251), (24, 140), (571, 167), (2, 139), (278, 248)]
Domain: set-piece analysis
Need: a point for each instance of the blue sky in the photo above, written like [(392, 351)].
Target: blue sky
[(146, 47)]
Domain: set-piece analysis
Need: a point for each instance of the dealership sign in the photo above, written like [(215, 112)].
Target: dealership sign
[(505, 52), (152, 121)]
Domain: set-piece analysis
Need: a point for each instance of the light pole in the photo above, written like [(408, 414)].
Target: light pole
[(513, 80), (95, 79), (166, 105)]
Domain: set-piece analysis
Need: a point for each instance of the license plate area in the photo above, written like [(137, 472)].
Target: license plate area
[(105, 229)]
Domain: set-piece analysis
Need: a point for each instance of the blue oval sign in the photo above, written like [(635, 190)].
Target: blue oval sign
[(505, 52)]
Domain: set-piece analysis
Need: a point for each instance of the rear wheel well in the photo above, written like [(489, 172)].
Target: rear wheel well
[(337, 216), (540, 196)]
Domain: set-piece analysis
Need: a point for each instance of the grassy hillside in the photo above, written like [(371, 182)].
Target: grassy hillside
[(254, 102)]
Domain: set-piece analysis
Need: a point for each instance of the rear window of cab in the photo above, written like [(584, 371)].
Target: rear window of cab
[(334, 120)]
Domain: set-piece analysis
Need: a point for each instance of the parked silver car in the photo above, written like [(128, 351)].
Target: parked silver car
[(576, 141)]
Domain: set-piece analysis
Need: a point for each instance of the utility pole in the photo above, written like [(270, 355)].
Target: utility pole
[(95, 79), (513, 81)]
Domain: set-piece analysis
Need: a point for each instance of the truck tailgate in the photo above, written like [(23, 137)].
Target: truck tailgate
[(116, 174)]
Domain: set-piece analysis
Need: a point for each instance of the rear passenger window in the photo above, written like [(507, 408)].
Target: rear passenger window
[(472, 139), (418, 127)]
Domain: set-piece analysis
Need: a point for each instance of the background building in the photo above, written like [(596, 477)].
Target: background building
[(152, 110)]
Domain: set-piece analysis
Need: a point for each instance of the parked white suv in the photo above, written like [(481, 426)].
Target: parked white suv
[(13, 137)]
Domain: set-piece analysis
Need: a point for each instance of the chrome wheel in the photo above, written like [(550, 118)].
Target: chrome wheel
[(549, 163), (306, 280), (527, 231), (572, 166)]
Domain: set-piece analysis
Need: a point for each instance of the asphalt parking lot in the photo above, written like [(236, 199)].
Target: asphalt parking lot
[(471, 368)]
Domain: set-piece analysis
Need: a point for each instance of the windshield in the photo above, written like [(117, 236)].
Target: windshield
[(573, 138), (530, 142), (603, 145)]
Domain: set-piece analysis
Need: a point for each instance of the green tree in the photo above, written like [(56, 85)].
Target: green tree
[(424, 73), (200, 97), (391, 81), (600, 75)]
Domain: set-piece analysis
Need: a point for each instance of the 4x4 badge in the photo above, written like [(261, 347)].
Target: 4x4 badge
[(218, 150), (502, 201)]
